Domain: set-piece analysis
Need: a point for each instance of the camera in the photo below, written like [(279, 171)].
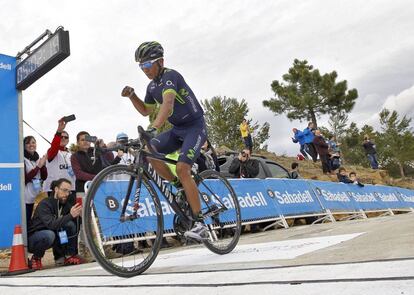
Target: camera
[(69, 118), (89, 138)]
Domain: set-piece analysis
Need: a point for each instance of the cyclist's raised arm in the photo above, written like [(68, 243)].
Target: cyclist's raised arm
[(143, 108), (166, 109)]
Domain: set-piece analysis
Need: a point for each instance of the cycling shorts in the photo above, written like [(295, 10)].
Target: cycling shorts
[(187, 138)]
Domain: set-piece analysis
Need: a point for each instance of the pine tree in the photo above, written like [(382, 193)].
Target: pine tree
[(305, 94)]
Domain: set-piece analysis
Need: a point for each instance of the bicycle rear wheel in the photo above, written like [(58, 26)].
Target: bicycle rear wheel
[(221, 209), (128, 247)]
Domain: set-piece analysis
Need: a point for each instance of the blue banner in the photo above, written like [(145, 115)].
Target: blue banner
[(292, 197), (258, 198), (365, 197), (407, 196), (254, 199), (334, 196), (10, 166), (387, 195)]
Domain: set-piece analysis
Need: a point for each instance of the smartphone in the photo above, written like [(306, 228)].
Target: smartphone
[(69, 118), (79, 200), (92, 139)]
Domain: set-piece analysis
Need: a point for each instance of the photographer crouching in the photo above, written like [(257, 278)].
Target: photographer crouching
[(54, 225), (244, 166)]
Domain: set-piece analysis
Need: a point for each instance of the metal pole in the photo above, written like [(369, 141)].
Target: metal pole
[(27, 48)]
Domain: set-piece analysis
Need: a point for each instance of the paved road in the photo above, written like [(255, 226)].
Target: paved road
[(374, 256)]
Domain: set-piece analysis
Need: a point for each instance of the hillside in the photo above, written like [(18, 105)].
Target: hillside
[(310, 170)]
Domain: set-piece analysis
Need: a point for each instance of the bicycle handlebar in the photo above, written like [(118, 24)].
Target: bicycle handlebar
[(146, 137)]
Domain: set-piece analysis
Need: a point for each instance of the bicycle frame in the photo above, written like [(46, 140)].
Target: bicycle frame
[(142, 166)]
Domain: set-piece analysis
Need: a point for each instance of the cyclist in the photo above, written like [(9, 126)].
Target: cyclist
[(180, 107)]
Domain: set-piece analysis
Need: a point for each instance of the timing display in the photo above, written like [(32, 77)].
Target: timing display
[(44, 58)]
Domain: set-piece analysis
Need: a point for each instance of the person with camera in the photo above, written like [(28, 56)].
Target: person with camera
[(244, 166), (371, 152), (54, 224), (88, 161), (180, 107), (124, 156), (59, 159)]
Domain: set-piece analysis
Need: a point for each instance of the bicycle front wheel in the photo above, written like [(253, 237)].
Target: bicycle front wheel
[(125, 246), (221, 209)]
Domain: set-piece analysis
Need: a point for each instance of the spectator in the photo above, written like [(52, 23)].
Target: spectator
[(208, 158), (245, 133), (35, 171), (243, 166), (371, 152), (125, 157), (53, 225), (308, 140), (294, 173), (335, 161), (322, 148), (299, 137), (334, 146), (58, 161), (86, 164), (354, 179), (342, 176)]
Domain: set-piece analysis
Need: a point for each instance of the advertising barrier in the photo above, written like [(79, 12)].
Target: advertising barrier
[(259, 199), (254, 199), (292, 197), (386, 195), (10, 164), (334, 196), (406, 196)]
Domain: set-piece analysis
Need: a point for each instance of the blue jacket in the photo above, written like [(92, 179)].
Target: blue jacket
[(308, 135), (300, 137)]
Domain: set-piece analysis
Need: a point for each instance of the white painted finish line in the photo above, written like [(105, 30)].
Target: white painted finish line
[(288, 249)]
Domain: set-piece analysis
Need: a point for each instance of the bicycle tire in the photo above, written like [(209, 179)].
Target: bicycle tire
[(224, 227), (96, 214)]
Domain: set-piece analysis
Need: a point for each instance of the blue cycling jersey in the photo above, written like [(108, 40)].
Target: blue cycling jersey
[(186, 106)]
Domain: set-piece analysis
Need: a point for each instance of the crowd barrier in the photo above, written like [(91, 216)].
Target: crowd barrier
[(273, 200)]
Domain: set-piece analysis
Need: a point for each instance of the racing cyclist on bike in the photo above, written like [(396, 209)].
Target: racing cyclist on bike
[(181, 108)]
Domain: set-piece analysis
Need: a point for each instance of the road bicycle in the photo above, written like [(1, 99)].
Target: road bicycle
[(123, 215)]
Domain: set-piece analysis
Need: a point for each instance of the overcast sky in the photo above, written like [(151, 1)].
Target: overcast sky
[(228, 48)]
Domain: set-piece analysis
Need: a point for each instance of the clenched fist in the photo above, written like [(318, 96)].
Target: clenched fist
[(127, 91)]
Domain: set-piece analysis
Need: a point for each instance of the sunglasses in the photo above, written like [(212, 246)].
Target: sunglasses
[(148, 64), (65, 137)]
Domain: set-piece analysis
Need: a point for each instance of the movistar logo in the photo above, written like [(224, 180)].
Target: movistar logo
[(190, 154), (5, 66)]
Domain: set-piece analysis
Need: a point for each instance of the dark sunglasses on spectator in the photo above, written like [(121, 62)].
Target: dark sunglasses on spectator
[(148, 64), (65, 137)]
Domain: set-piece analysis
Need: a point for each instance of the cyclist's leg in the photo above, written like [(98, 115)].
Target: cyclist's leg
[(189, 185), (165, 143), (193, 137)]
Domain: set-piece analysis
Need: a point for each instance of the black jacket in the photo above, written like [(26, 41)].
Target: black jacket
[(369, 147), (247, 169), (343, 178), (46, 215), (88, 167)]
